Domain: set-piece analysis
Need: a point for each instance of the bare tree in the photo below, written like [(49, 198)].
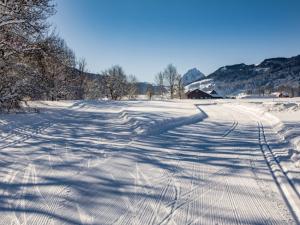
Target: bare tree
[(180, 86), (94, 88), (22, 25), (116, 82), (170, 76), (82, 65), (159, 80), (298, 91), (82, 78), (132, 87), (150, 91), (59, 63)]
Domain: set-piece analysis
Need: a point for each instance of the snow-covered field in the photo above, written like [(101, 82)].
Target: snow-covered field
[(158, 162)]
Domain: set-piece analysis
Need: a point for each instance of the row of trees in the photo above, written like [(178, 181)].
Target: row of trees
[(170, 81), (35, 63), (115, 84), (292, 90)]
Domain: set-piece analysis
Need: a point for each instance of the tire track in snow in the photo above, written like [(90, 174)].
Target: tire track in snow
[(208, 210), (264, 206), (28, 185), (173, 206), (186, 197), (285, 186), (22, 134), (175, 186), (157, 204), (144, 204), (255, 203), (20, 215), (231, 129), (139, 210), (192, 184), (165, 186), (181, 203)]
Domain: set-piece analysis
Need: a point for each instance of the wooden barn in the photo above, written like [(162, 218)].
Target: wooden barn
[(215, 94), (198, 94)]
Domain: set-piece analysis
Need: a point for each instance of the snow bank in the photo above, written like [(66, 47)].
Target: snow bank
[(143, 127), (287, 116), (282, 106), (247, 96), (266, 111), (144, 122), (289, 128), (142, 117), (282, 114)]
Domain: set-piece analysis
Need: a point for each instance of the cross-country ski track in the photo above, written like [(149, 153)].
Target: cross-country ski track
[(81, 165)]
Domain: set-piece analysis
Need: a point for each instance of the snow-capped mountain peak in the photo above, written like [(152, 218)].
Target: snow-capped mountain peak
[(191, 76)]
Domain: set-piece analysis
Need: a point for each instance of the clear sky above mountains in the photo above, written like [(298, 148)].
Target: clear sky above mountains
[(143, 36)]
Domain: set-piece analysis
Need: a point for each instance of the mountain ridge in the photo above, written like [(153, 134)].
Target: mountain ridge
[(271, 75)]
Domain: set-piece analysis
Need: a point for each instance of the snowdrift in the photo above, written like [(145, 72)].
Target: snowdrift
[(145, 125)]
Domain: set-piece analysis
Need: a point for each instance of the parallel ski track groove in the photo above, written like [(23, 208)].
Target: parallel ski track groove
[(271, 161)]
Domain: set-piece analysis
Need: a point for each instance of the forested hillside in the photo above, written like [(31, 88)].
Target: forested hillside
[(272, 75)]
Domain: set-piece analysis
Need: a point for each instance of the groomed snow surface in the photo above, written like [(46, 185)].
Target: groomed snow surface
[(150, 162)]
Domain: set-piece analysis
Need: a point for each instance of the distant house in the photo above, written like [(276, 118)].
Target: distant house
[(283, 95), (198, 94), (214, 94)]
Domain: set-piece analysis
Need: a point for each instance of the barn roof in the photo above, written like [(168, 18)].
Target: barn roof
[(198, 91), (213, 92)]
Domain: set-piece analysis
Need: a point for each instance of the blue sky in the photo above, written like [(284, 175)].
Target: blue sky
[(143, 36)]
